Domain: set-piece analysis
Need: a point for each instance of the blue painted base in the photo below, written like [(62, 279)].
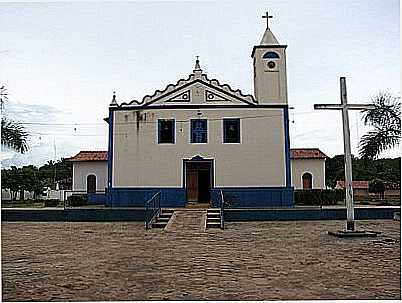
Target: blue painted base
[(137, 197), (243, 197), (95, 199), (254, 197)]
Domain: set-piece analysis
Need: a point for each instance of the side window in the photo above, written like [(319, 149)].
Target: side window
[(231, 130), (166, 131), (199, 131)]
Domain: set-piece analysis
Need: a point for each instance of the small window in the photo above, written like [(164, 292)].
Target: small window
[(165, 131), (270, 55), (231, 130), (199, 132)]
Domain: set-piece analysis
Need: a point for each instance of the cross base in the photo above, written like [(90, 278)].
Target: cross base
[(354, 233)]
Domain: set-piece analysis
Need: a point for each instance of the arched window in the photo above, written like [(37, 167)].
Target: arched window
[(270, 55), (91, 184), (307, 181)]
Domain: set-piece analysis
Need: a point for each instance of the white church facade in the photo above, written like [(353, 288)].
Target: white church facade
[(198, 137)]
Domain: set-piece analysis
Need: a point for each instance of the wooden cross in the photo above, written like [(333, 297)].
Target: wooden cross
[(267, 16), (344, 106)]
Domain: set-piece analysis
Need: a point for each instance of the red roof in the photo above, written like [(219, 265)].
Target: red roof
[(355, 184), (306, 153), (90, 155)]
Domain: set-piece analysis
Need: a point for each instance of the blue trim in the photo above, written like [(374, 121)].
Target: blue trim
[(110, 155), (138, 196), (95, 199), (287, 147), (239, 197), (254, 197)]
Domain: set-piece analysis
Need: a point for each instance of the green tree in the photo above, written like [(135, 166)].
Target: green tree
[(385, 119)]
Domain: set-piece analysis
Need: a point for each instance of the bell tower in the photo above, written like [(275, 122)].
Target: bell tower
[(269, 59)]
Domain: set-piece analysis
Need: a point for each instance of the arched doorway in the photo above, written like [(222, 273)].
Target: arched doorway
[(91, 184), (307, 181)]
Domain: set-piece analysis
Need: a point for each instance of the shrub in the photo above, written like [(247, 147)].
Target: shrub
[(51, 203), (77, 200), (319, 196)]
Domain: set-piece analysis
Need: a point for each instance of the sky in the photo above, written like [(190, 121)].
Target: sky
[(61, 62)]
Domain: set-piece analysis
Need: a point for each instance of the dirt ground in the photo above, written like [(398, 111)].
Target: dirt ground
[(295, 260)]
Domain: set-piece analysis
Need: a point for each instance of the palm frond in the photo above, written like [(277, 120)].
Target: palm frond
[(385, 119), (375, 142), (14, 135)]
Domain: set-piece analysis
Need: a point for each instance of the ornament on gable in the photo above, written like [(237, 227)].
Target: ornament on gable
[(182, 97), (211, 96)]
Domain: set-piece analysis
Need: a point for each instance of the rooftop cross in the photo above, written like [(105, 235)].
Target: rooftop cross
[(267, 16)]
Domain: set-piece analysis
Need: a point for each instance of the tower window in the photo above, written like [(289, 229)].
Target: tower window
[(165, 131), (270, 55)]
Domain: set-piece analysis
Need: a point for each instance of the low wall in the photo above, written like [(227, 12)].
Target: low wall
[(231, 215), (295, 214), (73, 215)]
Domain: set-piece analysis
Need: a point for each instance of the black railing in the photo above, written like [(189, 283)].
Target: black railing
[(222, 211), (152, 209)]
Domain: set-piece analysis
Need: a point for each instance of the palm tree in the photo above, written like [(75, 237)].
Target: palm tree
[(385, 119), (13, 135)]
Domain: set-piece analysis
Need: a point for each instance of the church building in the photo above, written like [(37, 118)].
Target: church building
[(199, 136)]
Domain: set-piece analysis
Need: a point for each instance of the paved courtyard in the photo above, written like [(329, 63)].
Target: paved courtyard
[(248, 261)]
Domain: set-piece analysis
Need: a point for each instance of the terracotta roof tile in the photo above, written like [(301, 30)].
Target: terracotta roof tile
[(355, 184), (306, 153), (90, 155)]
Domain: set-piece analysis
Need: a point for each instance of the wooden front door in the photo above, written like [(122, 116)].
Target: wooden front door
[(198, 181), (192, 184)]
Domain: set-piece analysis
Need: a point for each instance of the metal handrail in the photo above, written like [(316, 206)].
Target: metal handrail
[(152, 209), (222, 211)]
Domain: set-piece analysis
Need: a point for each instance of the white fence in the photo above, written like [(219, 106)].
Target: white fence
[(47, 195)]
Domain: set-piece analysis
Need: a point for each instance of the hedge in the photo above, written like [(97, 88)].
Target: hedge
[(319, 196)]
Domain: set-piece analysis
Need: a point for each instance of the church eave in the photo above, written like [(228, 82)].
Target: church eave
[(183, 83)]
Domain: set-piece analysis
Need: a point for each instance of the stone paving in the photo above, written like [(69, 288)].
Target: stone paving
[(61, 261)]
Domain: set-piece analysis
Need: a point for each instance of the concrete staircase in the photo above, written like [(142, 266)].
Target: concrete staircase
[(213, 218), (163, 218)]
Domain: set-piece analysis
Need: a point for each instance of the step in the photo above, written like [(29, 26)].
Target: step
[(213, 219), (158, 225), (167, 212), (159, 219), (213, 216), (167, 216), (213, 225)]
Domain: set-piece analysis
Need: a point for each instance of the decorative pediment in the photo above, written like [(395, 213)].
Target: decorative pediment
[(182, 97), (197, 89), (212, 96)]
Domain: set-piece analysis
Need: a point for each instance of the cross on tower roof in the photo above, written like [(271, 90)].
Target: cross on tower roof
[(267, 16)]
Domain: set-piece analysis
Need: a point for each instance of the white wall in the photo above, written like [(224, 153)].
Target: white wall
[(82, 169), (316, 167), (138, 160)]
